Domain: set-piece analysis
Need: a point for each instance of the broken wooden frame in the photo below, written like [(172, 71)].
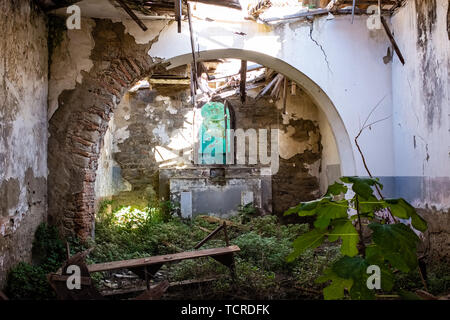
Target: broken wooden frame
[(145, 268)]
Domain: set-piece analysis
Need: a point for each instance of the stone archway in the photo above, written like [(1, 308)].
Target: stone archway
[(322, 100), (79, 124)]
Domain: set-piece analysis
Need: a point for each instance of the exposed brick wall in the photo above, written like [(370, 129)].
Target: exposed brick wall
[(78, 126)]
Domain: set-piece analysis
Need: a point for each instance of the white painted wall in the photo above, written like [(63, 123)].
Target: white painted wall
[(354, 80), (428, 158), (341, 66)]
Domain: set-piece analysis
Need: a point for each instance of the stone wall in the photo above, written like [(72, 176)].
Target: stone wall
[(152, 130), (81, 119), (23, 129)]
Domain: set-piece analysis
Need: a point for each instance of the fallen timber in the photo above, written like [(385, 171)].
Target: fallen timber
[(146, 268)]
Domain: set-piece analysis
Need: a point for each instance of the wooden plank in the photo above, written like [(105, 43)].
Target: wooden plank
[(391, 38), (132, 15), (243, 80), (115, 292), (194, 71), (184, 82), (268, 87), (161, 259), (209, 236)]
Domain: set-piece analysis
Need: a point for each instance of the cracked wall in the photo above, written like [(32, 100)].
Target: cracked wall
[(23, 130), (152, 130), (78, 125), (421, 120)]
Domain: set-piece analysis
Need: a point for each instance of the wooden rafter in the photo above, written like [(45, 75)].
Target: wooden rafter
[(132, 15), (243, 80), (392, 39)]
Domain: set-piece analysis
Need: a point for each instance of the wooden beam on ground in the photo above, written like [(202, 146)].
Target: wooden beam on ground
[(115, 292), (208, 237), (243, 80), (140, 262), (391, 38), (132, 15)]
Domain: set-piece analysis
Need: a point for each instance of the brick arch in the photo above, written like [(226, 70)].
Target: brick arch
[(79, 124)]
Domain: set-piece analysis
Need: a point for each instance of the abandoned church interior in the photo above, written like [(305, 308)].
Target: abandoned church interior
[(190, 148)]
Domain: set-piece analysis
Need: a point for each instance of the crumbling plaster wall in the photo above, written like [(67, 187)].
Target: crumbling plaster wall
[(338, 63), (78, 125), (149, 125), (70, 156), (23, 130), (421, 99)]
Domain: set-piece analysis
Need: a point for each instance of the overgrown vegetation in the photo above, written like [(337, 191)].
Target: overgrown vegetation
[(262, 270), (29, 281), (389, 246)]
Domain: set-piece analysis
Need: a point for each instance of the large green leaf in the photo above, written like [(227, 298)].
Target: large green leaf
[(306, 208), (374, 256), (329, 211), (347, 232), (362, 186), (335, 290), (403, 210), (354, 268), (309, 240), (367, 207), (336, 189), (398, 244)]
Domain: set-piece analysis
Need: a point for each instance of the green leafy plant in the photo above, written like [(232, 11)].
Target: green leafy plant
[(29, 281), (247, 212), (390, 244)]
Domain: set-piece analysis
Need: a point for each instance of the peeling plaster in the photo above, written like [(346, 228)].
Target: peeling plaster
[(161, 134), (70, 58)]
